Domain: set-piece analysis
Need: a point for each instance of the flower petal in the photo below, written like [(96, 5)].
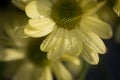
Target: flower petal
[(61, 72), (117, 7), (92, 40), (95, 8), (72, 45), (90, 55), (86, 5), (38, 9), (24, 73), (30, 31), (11, 54), (56, 49), (97, 26), (41, 24), (70, 59), (20, 3)]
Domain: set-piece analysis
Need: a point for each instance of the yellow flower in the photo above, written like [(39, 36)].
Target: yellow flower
[(70, 27), (117, 7), (36, 66)]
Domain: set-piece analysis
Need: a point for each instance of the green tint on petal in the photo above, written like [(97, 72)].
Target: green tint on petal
[(92, 40), (97, 26), (38, 9), (90, 55), (61, 72)]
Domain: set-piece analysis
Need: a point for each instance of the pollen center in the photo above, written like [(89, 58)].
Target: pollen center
[(66, 13)]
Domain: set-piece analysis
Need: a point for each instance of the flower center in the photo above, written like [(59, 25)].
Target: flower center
[(66, 13), (34, 54)]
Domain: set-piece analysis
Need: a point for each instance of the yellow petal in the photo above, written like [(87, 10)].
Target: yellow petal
[(38, 9), (61, 72), (41, 24), (90, 55), (45, 30), (92, 40), (97, 26), (11, 54)]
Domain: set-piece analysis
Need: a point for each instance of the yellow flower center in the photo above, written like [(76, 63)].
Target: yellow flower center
[(66, 13), (34, 54)]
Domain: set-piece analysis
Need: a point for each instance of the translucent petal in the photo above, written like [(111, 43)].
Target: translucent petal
[(92, 40), (37, 33), (97, 26), (11, 54), (72, 44), (24, 73), (90, 55), (38, 9), (61, 72), (42, 24)]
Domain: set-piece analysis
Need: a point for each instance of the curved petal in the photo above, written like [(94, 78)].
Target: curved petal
[(97, 26), (38, 9), (11, 54), (61, 72), (30, 31), (24, 73), (49, 41), (92, 40), (41, 24), (70, 59), (90, 55)]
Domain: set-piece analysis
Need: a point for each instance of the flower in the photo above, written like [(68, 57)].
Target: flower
[(70, 27), (36, 66), (117, 7)]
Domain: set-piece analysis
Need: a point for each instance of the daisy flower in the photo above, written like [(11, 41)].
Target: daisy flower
[(117, 7), (35, 65), (70, 27)]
